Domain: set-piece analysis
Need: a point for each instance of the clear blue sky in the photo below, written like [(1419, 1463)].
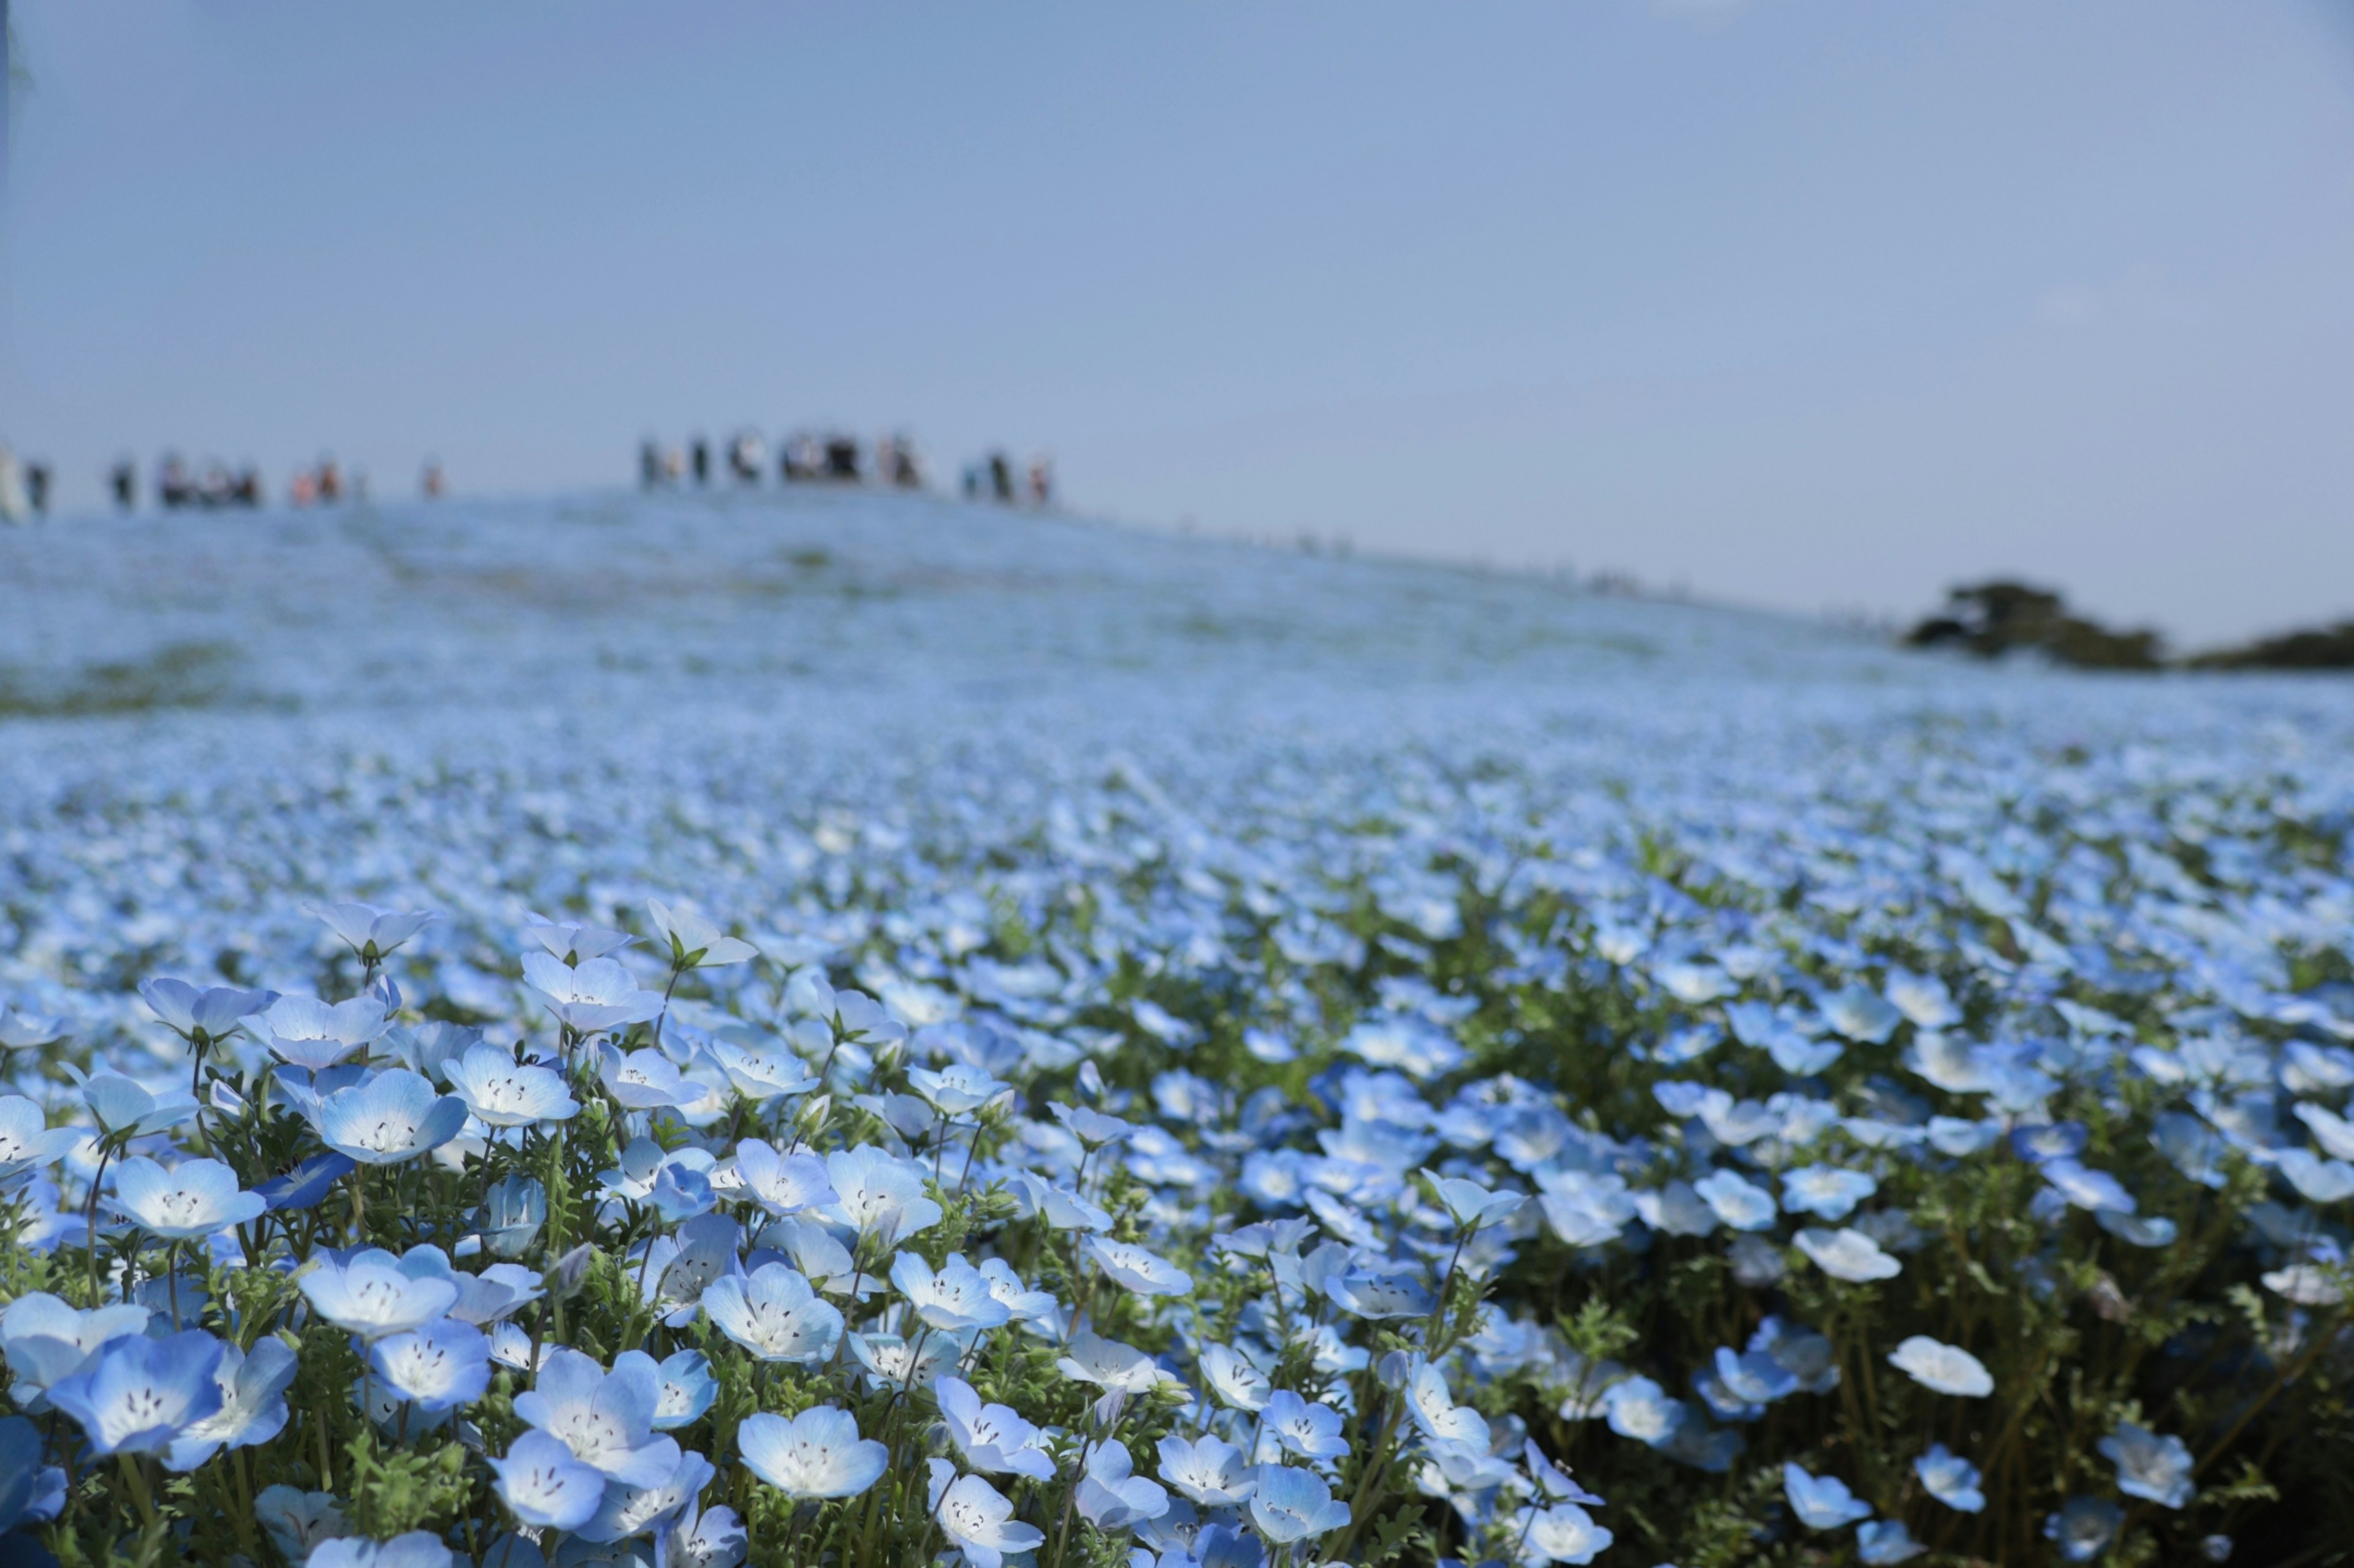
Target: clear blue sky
[(1803, 305)]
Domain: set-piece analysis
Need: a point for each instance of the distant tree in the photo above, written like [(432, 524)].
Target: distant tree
[(1992, 618)]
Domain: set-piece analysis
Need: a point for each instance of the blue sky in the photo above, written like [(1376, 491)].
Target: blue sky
[(1806, 305)]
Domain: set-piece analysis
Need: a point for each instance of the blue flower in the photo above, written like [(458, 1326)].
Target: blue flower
[(139, 1394), (2084, 1527), (1311, 1431), (817, 1453), (47, 1340), (991, 1438), (1886, 1540), (27, 1140), (197, 1199), (435, 1368), (1290, 1504), (512, 1211), (202, 1017), (373, 1294), (773, 1313), (683, 1386), (252, 1404), (1821, 1502), (1950, 1478), (503, 1093), (606, 1417), (627, 1511), (1111, 1495), (545, 1486), (25, 1485), (418, 1548), (307, 1185), (394, 1116), (2149, 1466), (1826, 1192)]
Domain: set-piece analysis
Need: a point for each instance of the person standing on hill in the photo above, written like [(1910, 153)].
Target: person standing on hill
[(124, 478), (701, 461)]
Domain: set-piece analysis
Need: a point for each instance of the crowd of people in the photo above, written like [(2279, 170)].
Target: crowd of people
[(833, 457), (26, 488)]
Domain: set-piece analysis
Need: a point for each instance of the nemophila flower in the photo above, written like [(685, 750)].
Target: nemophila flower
[(1553, 1481), (500, 1092), (316, 1035), (27, 1489), (956, 1089), (1861, 1014), (1311, 1431), (773, 1313), (435, 1368), (370, 932), (782, 1184), (1562, 1533), (977, 1518), (1945, 1369), (759, 1072), (1238, 1384), (252, 1404), (373, 1294), (1034, 1198), (1432, 1406), (394, 1116), (119, 1105), (1290, 1504), (497, 1292), (627, 1511), (1821, 1502), (1211, 1471), (954, 1298), (643, 1080), (573, 941), (1950, 1478), (306, 1185), (993, 1438), (694, 942), (1111, 1495), (592, 997), (137, 1395), (512, 1211), (2149, 1466), (418, 1548), (1093, 1128), (817, 1453), (1468, 1203), (1924, 998), (880, 1197), (2040, 1143), (1824, 1191), (297, 1521), (1754, 1378), (27, 1141), (1743, 1205), (1135, 1268), (1638, 1408), (197, 1199), (2088, 1188), (2084, 1528), (1107, 1364), (202, 1017), (1885, 1541), (683, 1386), (1848, 1253), (2137, 1230), (1022, 1304), (48, 1341), (546, 1486), (892, 1361), (697, 1539), (605, 1419), (21, 1030), (1380, 1295)]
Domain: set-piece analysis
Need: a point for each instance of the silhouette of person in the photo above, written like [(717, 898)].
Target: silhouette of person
[(124, 480), (701, 461)]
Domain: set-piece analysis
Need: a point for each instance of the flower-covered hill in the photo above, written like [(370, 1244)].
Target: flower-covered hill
[(748, 593), (862, 1031)]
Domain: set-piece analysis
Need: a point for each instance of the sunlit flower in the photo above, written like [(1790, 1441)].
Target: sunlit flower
[(1945, 1369), (1821, 1502)]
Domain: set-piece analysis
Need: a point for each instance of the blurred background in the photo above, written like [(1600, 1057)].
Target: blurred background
[(1814, 306)]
